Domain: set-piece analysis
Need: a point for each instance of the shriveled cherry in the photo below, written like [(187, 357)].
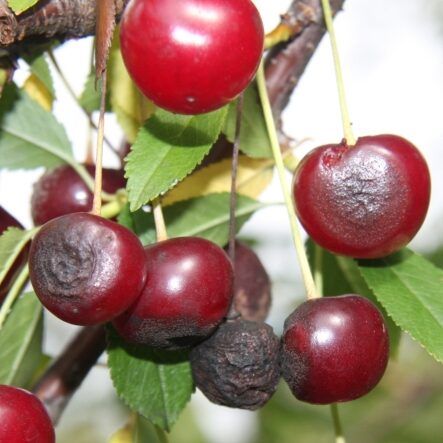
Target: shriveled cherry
[(334, 349), (364, 201), (238, 366), (187, 294), (62, 191), (85, 269), (23, 418), (191, 56), (6, 221), (252, 287)]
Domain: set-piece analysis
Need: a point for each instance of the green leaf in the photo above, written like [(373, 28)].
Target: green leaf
[(30, 136), (40, 68), (156, 384), (410, 289), (12, 241), (19, 6), (254, 139), (206, 217), (21, 342), (341, 275), (168, 147)]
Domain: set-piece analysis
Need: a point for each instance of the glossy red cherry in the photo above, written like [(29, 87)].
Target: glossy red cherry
[(61, 191), (85, 269), (334, 349), (252, 286), (6, 221), (187, 294), (23, 418), (191, 56), (365, 201)]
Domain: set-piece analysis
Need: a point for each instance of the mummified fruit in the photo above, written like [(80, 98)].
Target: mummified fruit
[(187, 294), (252, 287), (85, 269), (23, 418), (238, 366), (334, 349), (364, 201)]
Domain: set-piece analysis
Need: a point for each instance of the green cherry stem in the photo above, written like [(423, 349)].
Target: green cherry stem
[(159, 220), (339, 437), (347, 126), (308, 279), (97, 202), (13, 294)]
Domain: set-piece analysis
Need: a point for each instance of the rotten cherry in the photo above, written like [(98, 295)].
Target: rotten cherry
[(85, 269), (334, 349), (363, 201)]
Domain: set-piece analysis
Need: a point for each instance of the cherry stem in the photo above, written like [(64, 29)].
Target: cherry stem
[(311, 291), (318, 268), (233, 313), (97, 202), (347, 126), (234, 171), (159, 220), (339, 437), (74, 96), (13, 294)]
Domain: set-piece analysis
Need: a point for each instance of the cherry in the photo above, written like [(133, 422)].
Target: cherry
[(191, 56), (364, 201), (6, 221), (238, 366), (187, 294), (85, 269), (23, 418), (61, 191), (252, 287), (334, 349)]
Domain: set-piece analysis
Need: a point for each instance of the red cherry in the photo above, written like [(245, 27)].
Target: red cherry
[(191, 56), (334, 349), (61, 191), (187, 294), (85, 269), (6, 221), (23, 418), (252, 286), (365, 201)]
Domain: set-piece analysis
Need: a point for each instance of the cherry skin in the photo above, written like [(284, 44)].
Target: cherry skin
[(6, 221), (334, 349), (187, 294), (252, 286), (191, 56), (62, 191), (86, 270), (23, 418), (365, 201)]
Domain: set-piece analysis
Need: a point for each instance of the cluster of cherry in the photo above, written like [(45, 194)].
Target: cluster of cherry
[(363, 201)]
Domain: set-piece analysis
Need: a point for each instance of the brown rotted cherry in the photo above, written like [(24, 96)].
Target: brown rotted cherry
[(334, 349), (364, 201), (238, 366), (85, 269), (187, 294)]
